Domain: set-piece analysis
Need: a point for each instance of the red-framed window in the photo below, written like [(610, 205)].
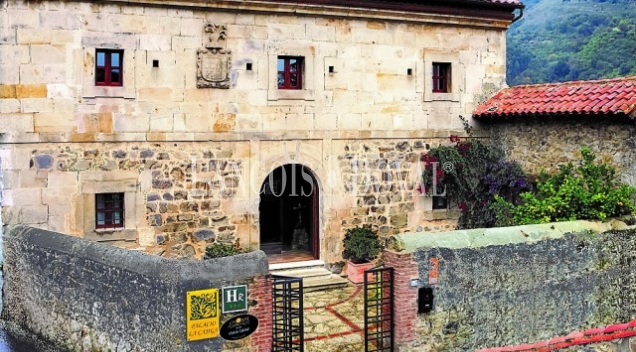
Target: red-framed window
[(109, 67), (290, 72), (441, 77), (109, 210)]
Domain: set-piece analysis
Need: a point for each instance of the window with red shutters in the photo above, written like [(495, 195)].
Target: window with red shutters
[(109, 67), (109, 210), (441, 77), (290, 72)]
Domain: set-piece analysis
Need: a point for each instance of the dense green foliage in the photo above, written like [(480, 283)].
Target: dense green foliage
[(471, 173), (218, 250), (361, 244), (586, 191), (563, 40)]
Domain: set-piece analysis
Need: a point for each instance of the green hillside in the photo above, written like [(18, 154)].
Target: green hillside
[(563, 40)]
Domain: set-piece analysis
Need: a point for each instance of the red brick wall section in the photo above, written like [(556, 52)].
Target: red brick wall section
[(608, 333), (405, 296), (261, 292)]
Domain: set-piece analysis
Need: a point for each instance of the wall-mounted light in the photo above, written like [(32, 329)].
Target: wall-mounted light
[(155, 63), (409, 72), (248, 66), (331, 69), (414, 282)]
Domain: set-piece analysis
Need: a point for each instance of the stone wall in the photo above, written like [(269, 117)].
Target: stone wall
[(181, 196), (497, 287), (367, 105), (544, 143), (89, 296)]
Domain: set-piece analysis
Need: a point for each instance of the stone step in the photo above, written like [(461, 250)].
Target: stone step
[(315, 278), (310, 264), (312, 284), (304, 272)]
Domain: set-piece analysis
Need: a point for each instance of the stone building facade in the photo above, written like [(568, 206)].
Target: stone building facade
[(187, 114)]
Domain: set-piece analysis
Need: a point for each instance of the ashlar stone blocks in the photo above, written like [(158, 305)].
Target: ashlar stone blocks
[(366, 98)]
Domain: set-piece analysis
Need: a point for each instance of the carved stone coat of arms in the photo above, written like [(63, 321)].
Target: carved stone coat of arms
[(214, 61)]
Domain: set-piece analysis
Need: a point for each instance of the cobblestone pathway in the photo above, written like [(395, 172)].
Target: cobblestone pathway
[(334, 320)]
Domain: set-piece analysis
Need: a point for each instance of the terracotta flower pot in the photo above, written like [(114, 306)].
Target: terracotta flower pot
[(355, 272)]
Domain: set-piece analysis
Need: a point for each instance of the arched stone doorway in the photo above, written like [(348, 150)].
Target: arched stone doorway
[(289, 214)]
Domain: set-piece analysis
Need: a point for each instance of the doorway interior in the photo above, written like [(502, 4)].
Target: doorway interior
[(289, 215)]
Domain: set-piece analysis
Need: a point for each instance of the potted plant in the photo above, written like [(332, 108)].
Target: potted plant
[(361, 246)]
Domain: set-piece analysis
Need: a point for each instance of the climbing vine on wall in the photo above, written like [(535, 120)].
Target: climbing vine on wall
[(472, 174)]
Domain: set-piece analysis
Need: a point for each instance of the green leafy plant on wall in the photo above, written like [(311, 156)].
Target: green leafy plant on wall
[(219, 250), (472, 174), (589, 190), (361, 244)]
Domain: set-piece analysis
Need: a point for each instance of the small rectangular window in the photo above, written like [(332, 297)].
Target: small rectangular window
[(441, 77), (109, 210), (440, 202), (290, 72), (109, 67)]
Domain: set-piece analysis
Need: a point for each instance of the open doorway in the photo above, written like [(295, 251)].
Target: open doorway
[(289, 218)]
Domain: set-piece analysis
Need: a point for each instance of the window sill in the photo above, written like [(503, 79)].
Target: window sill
[(105, 230), (442, 97), (107, 92), (112, 234), (441, 214), (290, 94)]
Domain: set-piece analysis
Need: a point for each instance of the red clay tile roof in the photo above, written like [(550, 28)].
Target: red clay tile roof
[(516, 3), (608, 96), (505, 2)]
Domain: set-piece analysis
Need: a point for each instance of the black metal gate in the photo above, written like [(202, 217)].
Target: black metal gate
[(378, 309), (287, 304)]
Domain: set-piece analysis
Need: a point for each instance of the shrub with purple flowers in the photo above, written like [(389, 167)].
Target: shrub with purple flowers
[(472, 174)]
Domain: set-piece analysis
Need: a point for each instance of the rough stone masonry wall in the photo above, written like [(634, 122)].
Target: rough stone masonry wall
[(538, 143), (181, 196), (93, 297), (381, 178), (507, 295), (82, 138), (181, 192)]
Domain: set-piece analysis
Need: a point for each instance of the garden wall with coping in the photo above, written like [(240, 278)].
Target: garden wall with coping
[(513, 285), (91, 296)]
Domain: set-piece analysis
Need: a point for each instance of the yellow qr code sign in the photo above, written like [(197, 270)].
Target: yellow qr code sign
[(202, 314)]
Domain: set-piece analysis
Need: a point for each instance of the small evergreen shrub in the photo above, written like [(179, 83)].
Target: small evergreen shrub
[(587, 191), (218, 250), (361, 244)]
